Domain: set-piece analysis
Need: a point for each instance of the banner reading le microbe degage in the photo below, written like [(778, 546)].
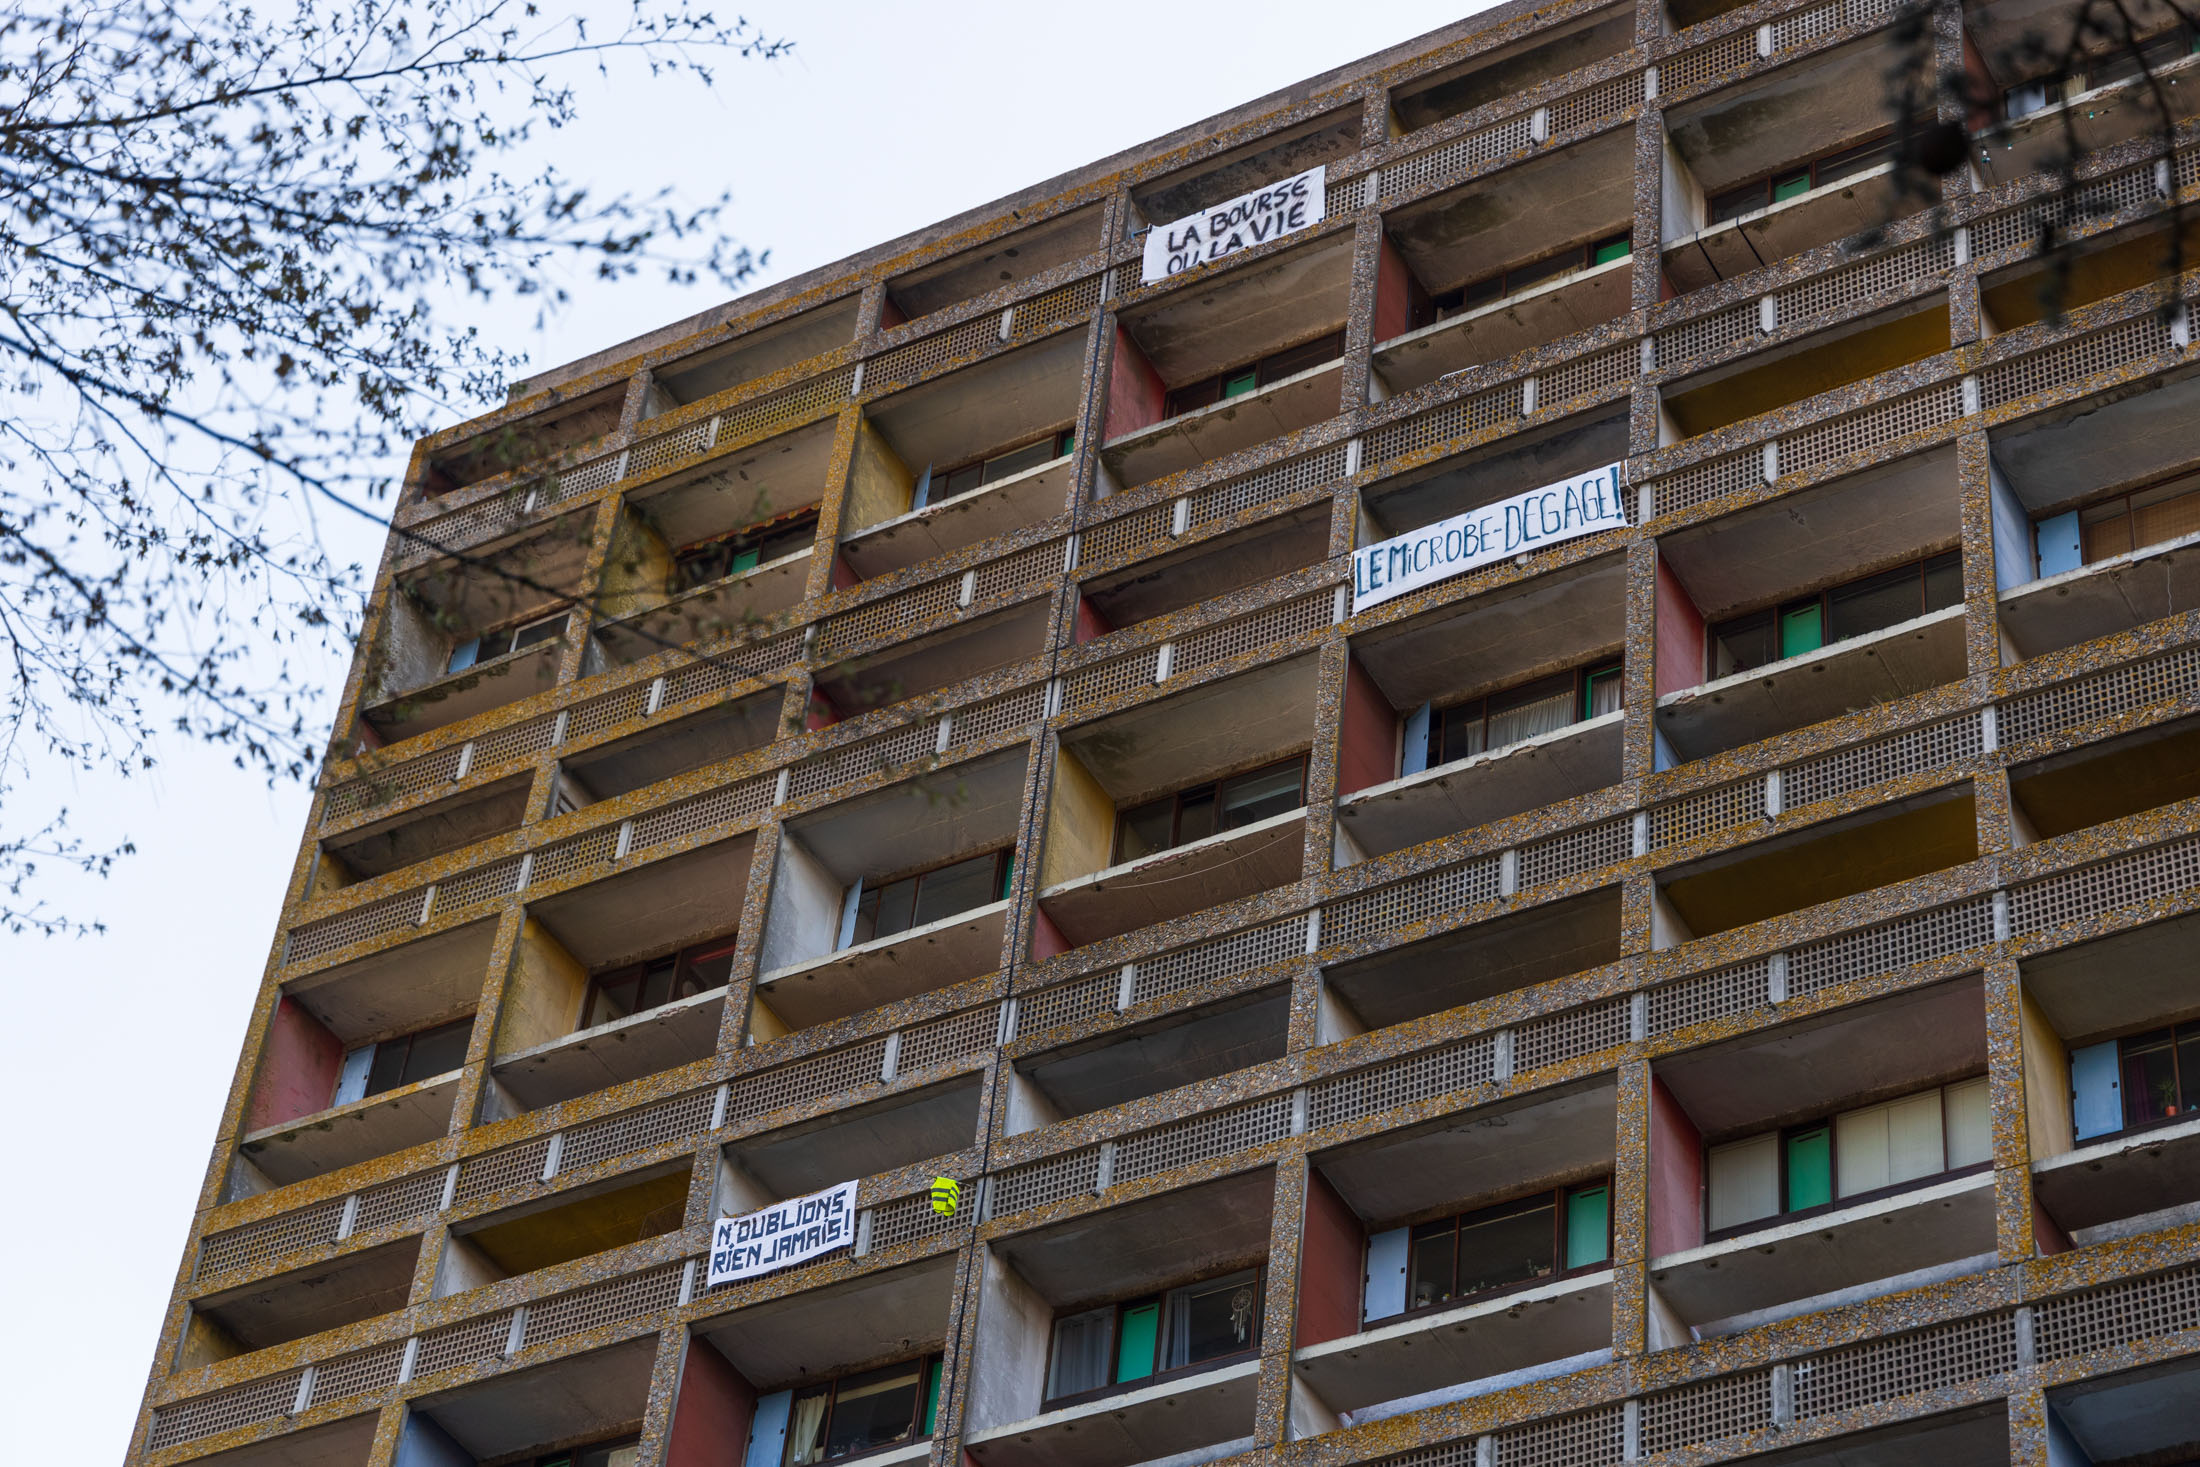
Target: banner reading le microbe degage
[(783, 1234), (1235, 224), (1465, 542)]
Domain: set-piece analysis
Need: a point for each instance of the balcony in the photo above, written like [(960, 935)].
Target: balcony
[(1821, 863), (1484, 708), (1176, 1049), (1187, 339), (291, 1306), (559, 1229), (2129, 1170), (1001, 262), (461, 639), (304, 1118), (957, 653), (815, 965), (1324, 138), (579, 1398), (1033, 1280), (2139, 1416), (1091, 886), (422, 834), (936, 1122), (1504, 71), (1841, 1096), (1363, 1354), (1795, 371), (2096, 115), (925, 437), (1212, 568), (1505, 954), (1516, 320), (717, 733), (1545, 454), (754, 354), (568, 427), (746, 1365), (1773, 128)]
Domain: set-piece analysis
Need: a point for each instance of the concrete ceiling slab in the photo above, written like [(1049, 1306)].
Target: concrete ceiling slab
[(1238, 722), (380, 1125), (1546, 941), (757, 354), (2098, 600), (979, 409), (2135, 978), (1515, 463), (665, 904), (682, 746), (307, 1301), (1179, 1049), (1460, 796), (818, 1333), (1486, 1154), (1891, 1046), (573, 1399), (1190, 878), (2143, 1413), (944, 528), (402, 987), (1557, 620), (1494, 332), (1246, 311), (346, 1443), (1022, 254), (760, 482), (938, 816), (1116, 1252), (1215, 568), (2121, 1177), (957, 653), (1808, 107), (1563, 197), (639, 1045), (862, 1141)]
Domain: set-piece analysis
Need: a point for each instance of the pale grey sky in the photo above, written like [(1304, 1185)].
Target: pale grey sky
[(886, 118)]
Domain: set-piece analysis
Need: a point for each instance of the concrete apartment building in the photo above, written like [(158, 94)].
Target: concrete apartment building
[(1690, 966)]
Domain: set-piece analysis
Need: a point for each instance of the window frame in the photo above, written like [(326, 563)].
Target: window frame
[(1004, 872), (1558, 1198), (937, 482), (684, 961), (1814, 170), (510, 632), (1265, 371), (1821, 601), (2185, 480), (1584, 678), (2177, 1032), (734, 543), (1176, 798), (928, 1368), (1836, 1202), (1159, 1298), (377, 1048), (567, 1456), (1487, 289)]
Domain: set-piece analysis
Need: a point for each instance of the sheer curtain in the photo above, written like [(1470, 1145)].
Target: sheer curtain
[(1176, 1329), (804, 1442), (1080, 1353)]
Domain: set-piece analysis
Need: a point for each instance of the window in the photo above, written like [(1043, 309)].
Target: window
[(645, 986), (1501, 719), (1253, 376), (2123, 523), (744, 549), (863, 1412), (624, 1452), (2106, 70), (390, 1064), (1853, 1154), (953, 483), (503, 640), (1481, 292), (1515, 1242), (2139, 1080), (1853, 609), (1208, 809), (1800, 179), (1121, 1344), (929, 896)]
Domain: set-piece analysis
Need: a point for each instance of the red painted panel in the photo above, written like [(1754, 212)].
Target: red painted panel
[(890, 315), (1136, 396), (710, 1420), (1090, 623), (2047, 1235), (1332, 1260), (298, 1068), (844, 574), (1046, 938), (1676, 1175), (1680, 634), (1367, 744), (1397, 293)]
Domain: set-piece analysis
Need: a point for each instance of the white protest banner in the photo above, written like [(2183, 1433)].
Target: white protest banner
[(1235, 224), (785, 1233), (1545, 516)]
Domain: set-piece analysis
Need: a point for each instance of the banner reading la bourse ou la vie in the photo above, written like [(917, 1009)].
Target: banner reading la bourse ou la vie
[(1570, 508)]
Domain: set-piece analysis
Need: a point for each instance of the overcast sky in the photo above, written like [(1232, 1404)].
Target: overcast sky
[(886, 118)]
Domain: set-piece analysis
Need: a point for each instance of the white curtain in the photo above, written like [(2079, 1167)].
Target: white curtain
[(804, 1443), (1176, 1329), (1080, 1353)]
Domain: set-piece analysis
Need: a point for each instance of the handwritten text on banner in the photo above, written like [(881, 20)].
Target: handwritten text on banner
[(1572, 507)]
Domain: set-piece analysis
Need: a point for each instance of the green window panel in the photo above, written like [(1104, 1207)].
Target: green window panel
[(1809, 1168), (1134, 1346), (1588, 1226), (1802, 630)]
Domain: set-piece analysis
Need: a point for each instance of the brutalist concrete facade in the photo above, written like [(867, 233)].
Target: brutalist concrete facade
[(696, 643)]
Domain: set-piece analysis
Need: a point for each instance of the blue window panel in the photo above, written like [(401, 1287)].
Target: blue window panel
[(1416, 742), (1386, 1274), (351, 1082), (2059, 544), (2096, 1092), (768, 1429)]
